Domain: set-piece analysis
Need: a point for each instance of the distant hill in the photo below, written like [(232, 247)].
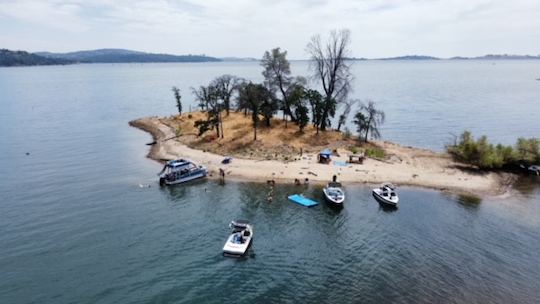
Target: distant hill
[(22, 58), (498, 57), (411, 57), (124, 56)]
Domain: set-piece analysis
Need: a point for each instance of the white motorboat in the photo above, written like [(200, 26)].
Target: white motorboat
[(240, 239), (386, 194), (534, 169), (334, 194), (180, 171)]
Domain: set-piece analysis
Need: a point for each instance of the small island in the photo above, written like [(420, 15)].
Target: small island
[(241, 119)]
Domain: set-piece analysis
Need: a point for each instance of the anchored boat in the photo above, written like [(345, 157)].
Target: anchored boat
[(334, 194), (240, 239), (386, 195), (180, 171)]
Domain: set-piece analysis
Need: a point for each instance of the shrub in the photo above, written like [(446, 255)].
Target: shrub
[(375, 153), (487, 156)]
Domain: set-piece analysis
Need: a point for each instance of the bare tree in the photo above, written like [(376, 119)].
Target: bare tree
[(343, 117), (368, 119), (225, 86), (330, 67)]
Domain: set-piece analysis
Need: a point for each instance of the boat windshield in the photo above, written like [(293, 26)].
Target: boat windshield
[(334, 192)]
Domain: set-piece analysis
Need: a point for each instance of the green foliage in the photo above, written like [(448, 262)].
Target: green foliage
[(361, 122), (302, 117), (528, 149), (209, 101), (277, 76), (354, 150), (375, 153), (258, 100), (178, 99), (315, 100), (487, 156), (202, 126)]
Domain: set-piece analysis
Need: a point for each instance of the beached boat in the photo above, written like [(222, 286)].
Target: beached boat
[(334, 194), (386, 194), (180, 171), (240, 239)]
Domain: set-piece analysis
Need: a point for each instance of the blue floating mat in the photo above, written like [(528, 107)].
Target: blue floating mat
[(299, 199)]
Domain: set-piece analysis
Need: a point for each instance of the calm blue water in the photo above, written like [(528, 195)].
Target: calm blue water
[(76, 227)]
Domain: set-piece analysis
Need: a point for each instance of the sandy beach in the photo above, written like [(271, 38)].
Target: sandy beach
[(404, 166)]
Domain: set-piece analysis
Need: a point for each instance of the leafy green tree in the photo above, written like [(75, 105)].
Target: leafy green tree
[(368, 120), (302, 117), (209, 101), (361, 122), (315, 100), (331, 68), (528, 150), (178, 98), (253, 96), (277, 76)]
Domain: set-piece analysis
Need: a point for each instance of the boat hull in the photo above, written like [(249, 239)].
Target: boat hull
[(384, 201), (338, 203), (235, 248), (183, 179)]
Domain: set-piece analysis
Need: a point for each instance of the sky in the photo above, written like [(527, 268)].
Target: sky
[(246, 28)]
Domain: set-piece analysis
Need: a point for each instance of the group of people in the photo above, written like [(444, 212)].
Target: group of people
[(298, 183)]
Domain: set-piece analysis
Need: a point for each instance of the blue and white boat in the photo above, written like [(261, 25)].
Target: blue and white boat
[(180, 171)]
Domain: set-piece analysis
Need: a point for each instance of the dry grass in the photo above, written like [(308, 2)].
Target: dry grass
[(275, 142)]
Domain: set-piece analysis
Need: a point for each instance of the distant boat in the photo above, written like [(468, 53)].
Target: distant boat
[(180, 171), (240, 239), (334, 194), (386, 195)]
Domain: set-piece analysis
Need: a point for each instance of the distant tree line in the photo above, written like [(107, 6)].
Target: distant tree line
[(485, 155), (280, 91)]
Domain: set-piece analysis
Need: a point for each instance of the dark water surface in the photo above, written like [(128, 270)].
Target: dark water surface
[(75, 227)]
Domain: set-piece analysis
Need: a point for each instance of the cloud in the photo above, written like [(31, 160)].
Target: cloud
[(248, 27)]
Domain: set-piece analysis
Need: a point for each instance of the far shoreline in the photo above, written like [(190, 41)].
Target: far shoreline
[(432, 170)]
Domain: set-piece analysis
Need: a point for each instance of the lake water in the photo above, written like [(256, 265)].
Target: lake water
[(77, 228)]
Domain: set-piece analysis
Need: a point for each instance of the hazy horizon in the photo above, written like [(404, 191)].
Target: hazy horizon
[(242, 28)]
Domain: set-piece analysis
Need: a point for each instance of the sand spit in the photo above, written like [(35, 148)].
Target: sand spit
[(405, 166)]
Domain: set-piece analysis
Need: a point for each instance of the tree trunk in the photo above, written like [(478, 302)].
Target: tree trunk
[(254, 132), (367, 129), (221, 124)]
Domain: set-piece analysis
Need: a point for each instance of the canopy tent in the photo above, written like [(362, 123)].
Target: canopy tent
[(324, 156)]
